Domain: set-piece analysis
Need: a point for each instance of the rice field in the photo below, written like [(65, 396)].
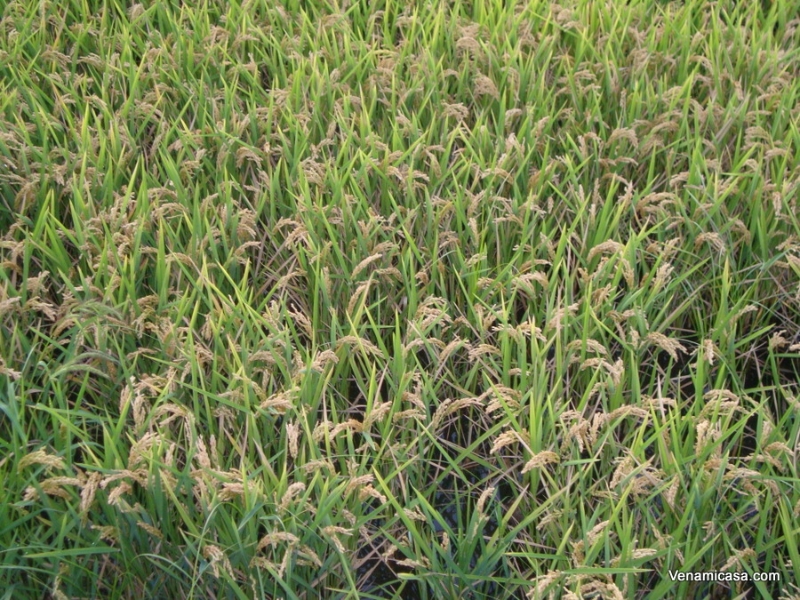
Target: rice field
[(376, 299)]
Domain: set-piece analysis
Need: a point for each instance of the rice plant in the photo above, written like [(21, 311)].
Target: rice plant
[(444, 299)]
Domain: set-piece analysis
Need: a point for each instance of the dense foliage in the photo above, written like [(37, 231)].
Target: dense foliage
[(439, 299)]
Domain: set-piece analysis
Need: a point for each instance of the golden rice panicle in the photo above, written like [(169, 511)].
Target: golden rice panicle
[(359, 482), (377, 413), (314, 465), (420, 563), (216, 557), (484, 497), (415, 514), (542, 584), (504, 439), (555, 322), (449, 406), (740, 559), (333, 532), (665, 343), (607, 247), (710, 351), (672, 491), (706, 433), (53, 486), (541, 459), (484, 86), (364, 264), (502, 396), (291, 492), (445, 544), (277, 537), (368, 491), (293, 435), (42, 457), (88, 494)]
